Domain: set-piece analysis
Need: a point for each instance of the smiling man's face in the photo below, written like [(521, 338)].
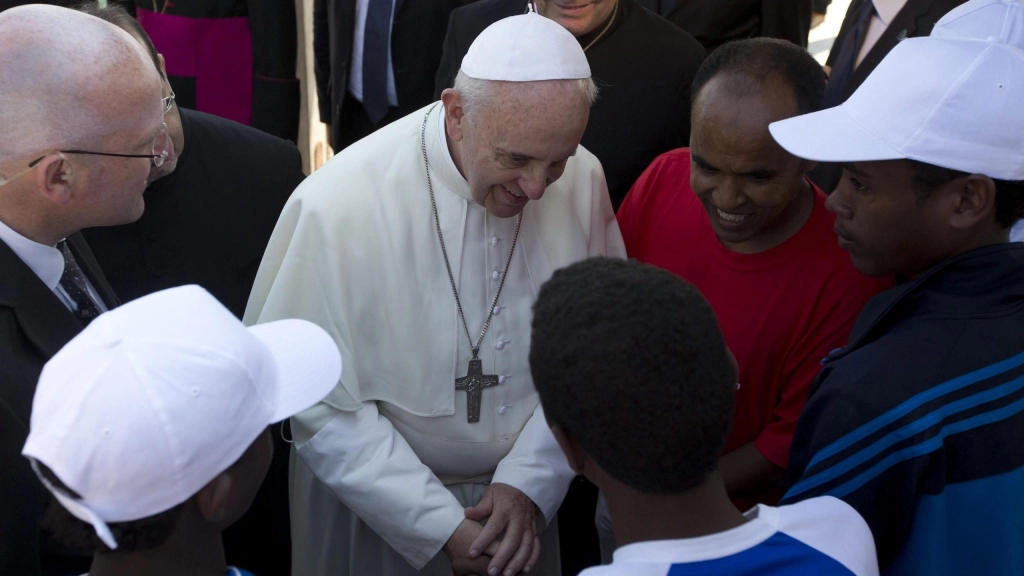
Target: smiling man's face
[(577, 16), (753, 191)]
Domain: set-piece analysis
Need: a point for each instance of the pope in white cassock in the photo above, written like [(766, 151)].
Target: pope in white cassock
[(421, 249)]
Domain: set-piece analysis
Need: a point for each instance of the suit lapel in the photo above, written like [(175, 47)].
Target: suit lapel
[(844, 30), (87, 262), (47, 323)]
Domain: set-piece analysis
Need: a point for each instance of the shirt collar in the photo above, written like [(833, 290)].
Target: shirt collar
[(46, 261), (441, 163), (888, 9), (762, 523)]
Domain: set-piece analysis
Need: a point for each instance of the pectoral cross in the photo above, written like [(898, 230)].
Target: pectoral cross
[(473, 383)]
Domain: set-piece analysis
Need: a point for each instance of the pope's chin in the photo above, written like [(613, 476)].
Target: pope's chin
[(503, 203)]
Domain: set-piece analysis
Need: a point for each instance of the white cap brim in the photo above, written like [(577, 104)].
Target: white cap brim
[(831, 136), (307, 364)]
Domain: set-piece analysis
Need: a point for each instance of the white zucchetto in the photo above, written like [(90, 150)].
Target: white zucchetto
[(526, 48)]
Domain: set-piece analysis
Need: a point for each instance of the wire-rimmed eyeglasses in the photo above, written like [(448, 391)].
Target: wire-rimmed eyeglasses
[(161, 149), (168, 101)]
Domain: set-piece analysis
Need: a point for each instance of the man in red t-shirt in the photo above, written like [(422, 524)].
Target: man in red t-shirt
[(735, 215)]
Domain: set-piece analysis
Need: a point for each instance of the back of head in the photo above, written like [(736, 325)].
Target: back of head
[(120, 17), (630, 362), (63, 76), (756, 62)]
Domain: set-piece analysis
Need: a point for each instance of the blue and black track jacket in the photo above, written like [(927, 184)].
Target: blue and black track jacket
[(919, 422)]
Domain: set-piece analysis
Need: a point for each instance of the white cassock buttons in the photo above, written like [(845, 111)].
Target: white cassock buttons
[(494, 240), (497, 310), (501, 344), (495, 275), (502, 410)]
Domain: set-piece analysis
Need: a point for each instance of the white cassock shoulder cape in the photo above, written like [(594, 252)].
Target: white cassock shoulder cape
[(356, 251)]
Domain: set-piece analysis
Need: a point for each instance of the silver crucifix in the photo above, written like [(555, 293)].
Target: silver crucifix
[(473, 383)]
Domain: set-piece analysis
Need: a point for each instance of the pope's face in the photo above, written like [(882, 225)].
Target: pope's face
[(517, 144), (577, 16)]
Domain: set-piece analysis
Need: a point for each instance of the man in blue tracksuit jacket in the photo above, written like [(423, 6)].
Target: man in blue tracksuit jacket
[(918, 423)]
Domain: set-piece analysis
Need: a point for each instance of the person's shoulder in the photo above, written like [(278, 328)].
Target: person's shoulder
[(671, 170), (628, 569), (668, 175), (220, 132), (661, 36), (833, 528), (363, 175)]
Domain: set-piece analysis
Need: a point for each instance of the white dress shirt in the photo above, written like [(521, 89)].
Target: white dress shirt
[(355, 74), (885, 11), (48, 264)]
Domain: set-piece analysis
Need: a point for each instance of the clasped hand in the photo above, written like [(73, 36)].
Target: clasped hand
[(507, 544)]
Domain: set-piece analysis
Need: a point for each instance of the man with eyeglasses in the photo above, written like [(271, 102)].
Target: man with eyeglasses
[(81, 129), (211, 206), (210, 210)]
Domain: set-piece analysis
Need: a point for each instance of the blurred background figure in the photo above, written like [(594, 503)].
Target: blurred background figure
[(715, 22), (375, 61), (231, 58)]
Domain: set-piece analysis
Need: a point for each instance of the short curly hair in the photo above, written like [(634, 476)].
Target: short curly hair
[(629, 360), (134, 536)]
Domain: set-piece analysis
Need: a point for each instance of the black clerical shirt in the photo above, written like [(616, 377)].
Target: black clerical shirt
[(643, 65), (209, 221)]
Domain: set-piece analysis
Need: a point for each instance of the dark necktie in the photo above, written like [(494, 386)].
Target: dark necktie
[(375, 59), (73, 282), (846, 59)]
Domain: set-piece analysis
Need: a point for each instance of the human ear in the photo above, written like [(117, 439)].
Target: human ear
[(163, 65), (454, 113), (975, 202), (54, 177), (212, 501), (573, 451)]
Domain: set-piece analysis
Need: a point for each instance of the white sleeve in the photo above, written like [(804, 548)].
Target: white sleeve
[(835, 529), (537, 466), (370, 467)]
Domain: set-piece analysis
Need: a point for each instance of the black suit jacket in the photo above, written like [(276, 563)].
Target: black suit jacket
[(417, 31), (917, 18), (644, 67), (207, 223), (34, 325), (715, 22)]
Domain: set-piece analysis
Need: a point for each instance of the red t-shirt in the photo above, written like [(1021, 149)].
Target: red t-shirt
[(781, 310)]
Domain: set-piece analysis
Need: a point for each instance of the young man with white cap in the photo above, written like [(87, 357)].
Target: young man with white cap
[(918, 422), (421, 249), (152, 427)]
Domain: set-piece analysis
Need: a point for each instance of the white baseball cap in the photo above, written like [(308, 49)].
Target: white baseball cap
[(155, 398), (996, 20), (950, 102), (526, 48)]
